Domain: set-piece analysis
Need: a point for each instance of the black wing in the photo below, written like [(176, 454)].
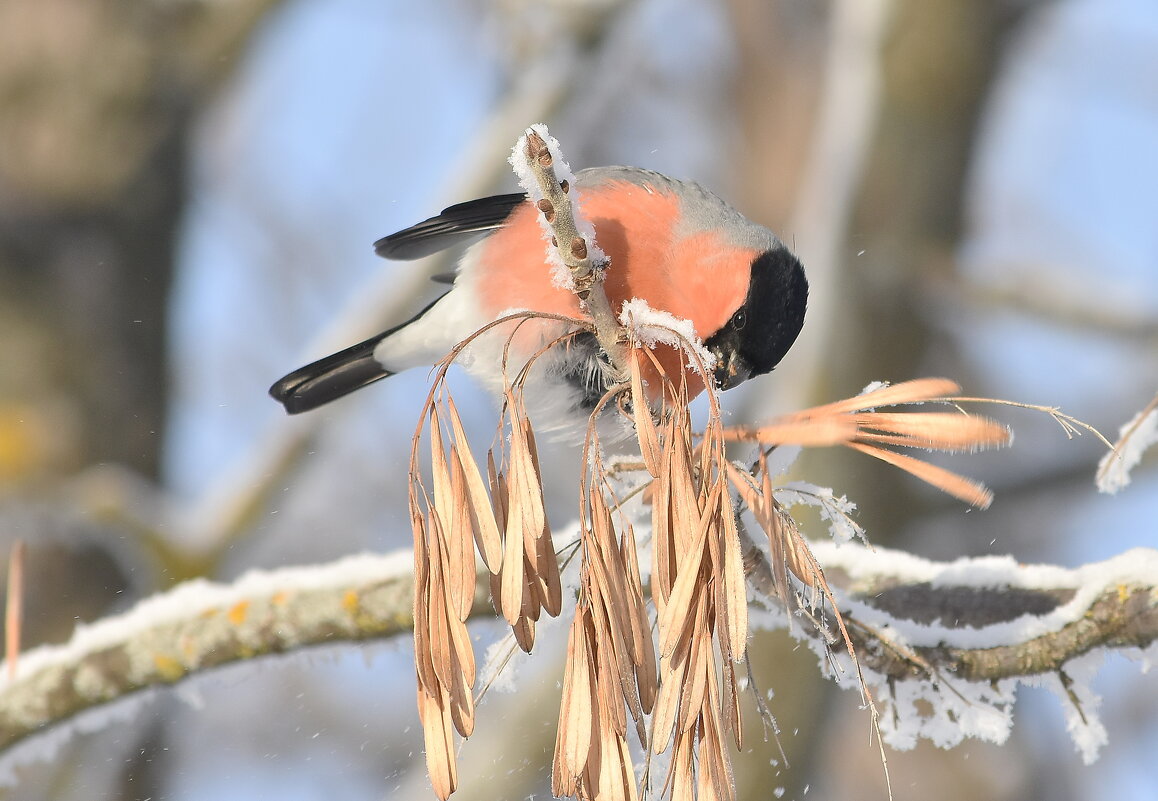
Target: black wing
[(455, 225)]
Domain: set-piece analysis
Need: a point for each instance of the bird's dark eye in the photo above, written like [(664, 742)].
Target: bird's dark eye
[(739, 319)]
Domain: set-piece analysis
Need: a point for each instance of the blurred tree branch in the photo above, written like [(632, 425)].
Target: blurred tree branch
[(96, 101)]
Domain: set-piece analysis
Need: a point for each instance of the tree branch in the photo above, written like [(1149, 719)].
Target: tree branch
[(997, 619), (200, 625), (981, 619), (1121, 617)]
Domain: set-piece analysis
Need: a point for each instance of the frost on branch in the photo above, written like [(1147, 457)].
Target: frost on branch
[(947, 644), (577, 261), (1134, 439), (545, 176), (200, 625)]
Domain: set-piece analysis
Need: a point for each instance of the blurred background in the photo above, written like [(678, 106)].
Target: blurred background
[(188, 194)]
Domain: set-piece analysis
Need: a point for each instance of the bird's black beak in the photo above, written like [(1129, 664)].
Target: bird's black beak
[(732, 369)]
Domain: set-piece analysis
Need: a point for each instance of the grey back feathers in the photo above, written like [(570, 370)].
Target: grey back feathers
[(702, 209)]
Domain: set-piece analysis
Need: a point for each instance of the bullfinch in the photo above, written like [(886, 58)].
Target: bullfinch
[(672, 243)]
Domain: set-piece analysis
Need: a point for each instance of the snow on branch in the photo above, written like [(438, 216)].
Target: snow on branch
[(963, 632), (200, 625), (947, 643), (1134, 439), (990, 618)]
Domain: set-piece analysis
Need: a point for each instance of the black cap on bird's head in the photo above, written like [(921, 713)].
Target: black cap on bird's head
[(762, 330)]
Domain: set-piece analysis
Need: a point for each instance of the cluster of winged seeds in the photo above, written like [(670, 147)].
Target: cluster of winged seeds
[(651, 659)]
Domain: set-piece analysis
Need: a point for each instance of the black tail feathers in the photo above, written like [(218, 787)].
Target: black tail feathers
[(330, 378), (336, 375)]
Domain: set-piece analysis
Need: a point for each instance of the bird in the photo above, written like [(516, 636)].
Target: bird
[(672, 243)]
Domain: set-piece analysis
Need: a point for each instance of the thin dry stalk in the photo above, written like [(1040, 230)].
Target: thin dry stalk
[(1071, 425), (14, 607)]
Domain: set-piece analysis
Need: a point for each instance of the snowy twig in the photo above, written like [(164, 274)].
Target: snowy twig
[(1134, 438), (998, 619), (572, 238)]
